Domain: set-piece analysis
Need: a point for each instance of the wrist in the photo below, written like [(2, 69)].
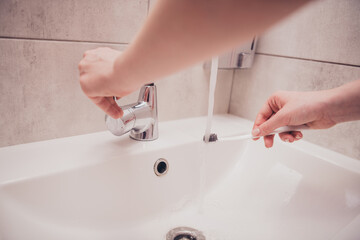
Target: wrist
[(344, 102), (331, 108), (125, 79)]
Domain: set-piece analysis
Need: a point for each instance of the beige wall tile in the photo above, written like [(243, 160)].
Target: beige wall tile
[(223, 91), (185, 94), (151, 4), (327, 30), (40, 97), (84, 20), (252, 87)]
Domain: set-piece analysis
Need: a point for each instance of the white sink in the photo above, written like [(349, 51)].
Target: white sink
[(99, 186)]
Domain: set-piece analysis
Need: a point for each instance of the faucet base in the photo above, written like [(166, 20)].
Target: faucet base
[(148, 135)]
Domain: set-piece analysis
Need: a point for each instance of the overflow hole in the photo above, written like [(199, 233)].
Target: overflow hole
[(161, 167)]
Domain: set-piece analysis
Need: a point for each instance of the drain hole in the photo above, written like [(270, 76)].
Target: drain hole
[(184, 233), (161, 167), (185, 237)]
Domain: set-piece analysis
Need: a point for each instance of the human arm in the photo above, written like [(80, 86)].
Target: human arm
[(176, 35), (316, 109)]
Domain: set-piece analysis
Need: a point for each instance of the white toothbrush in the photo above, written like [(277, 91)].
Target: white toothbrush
[(278, 130)]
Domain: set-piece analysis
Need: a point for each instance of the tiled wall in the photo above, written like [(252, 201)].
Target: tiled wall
[(316, 48), (41, 43)]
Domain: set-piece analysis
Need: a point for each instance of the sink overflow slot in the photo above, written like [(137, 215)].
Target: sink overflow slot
[(161, 167)]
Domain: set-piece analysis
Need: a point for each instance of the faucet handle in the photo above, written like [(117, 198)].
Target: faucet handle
[(121, 125), (140, 118)]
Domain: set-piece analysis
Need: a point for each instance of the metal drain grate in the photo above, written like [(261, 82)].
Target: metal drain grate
[(184, 233)]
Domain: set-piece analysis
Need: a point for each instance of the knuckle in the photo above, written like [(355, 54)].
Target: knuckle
[(80, 65), (82, 80), (265, 129), (277, 96), (83, 85)]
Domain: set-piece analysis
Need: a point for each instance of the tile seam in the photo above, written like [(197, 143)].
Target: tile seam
[(61, 40), (307, 59)]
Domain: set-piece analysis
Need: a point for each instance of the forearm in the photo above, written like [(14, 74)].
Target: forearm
[(178, 34), (344, 102)]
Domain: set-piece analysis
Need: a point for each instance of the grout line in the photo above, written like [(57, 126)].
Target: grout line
[(231, 89), (61, 40), (148, 7), (308, 59)]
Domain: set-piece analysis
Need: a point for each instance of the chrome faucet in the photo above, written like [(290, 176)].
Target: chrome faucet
[(140, 118)]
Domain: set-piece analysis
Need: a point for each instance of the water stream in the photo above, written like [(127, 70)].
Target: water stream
[(213, 77), (203, 153)]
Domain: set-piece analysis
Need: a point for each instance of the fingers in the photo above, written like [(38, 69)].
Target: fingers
[(286, 137), (269, 141), (291, 136), (265, 113), (81, 67), (85, 64), (275, 113), (88, 57), (277, 120), (268, 110), (96, 75), (109, 106)]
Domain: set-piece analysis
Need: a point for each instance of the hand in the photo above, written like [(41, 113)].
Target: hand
[(292, 109), (97, 79)]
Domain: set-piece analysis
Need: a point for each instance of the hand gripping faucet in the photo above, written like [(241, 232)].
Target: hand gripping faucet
[(140, 118)]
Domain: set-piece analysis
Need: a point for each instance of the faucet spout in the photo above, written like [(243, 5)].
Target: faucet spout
[(140, 119)]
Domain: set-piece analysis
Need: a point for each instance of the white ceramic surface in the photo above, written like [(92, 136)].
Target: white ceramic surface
[(99, 186)]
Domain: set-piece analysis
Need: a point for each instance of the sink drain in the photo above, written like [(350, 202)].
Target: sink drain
[(184, 233)]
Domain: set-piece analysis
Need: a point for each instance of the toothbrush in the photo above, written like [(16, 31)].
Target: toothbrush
[(278, 130)]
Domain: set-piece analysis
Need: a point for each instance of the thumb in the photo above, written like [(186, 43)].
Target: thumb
[(277, 120)]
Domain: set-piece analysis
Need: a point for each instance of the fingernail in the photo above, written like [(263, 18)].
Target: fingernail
[(255, 132), (286, 140), (298, 136)]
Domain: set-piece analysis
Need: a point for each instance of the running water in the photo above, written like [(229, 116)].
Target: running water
[(203, 153), (213, 76)]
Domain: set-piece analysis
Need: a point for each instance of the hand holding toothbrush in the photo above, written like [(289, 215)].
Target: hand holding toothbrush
[(317, 110)]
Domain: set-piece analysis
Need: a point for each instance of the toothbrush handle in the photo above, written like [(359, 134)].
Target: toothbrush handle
[(289, 129), (276, 131)]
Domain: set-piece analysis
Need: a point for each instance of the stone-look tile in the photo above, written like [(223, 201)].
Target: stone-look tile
[(185, 94), (223, 91), (40, 96), (327, 30), (151, 4), (84, 20), (251, 88)]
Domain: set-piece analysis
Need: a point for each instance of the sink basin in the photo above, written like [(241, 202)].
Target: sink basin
[(98, 186)]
